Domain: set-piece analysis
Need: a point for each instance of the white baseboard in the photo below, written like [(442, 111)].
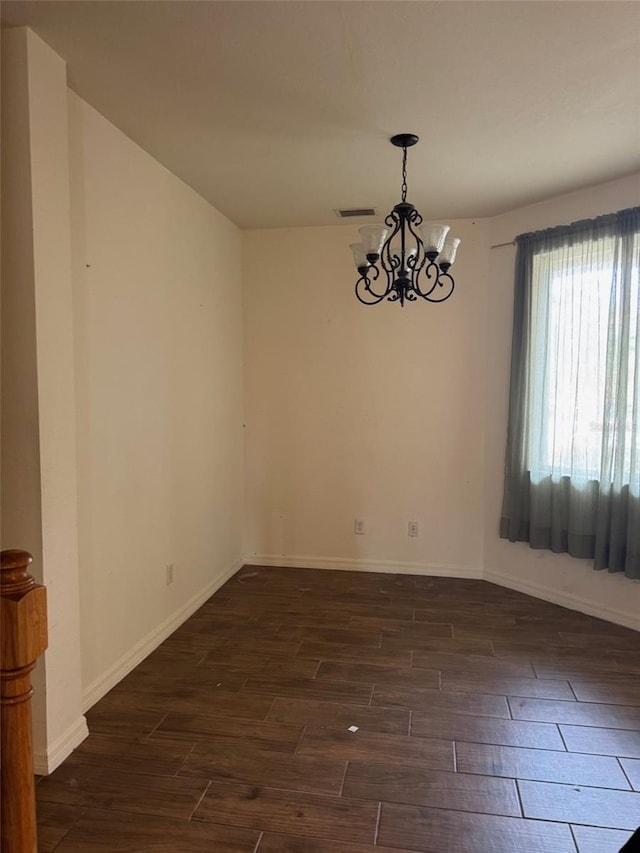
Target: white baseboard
[(103, 684), (566, 599), (46, 761), (356, 564)]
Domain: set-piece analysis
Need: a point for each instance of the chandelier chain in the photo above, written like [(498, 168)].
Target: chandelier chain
[(404, 173)]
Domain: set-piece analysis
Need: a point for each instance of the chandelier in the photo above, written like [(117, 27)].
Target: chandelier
[(415, 260)]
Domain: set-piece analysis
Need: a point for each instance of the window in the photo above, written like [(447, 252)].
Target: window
[(573, 458)]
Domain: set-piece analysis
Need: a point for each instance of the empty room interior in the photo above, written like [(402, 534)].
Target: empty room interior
[(321, 423)]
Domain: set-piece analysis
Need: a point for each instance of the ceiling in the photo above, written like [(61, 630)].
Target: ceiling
[(280, 112)]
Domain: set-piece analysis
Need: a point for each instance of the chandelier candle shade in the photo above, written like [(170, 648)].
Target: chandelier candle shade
[(414, 258)]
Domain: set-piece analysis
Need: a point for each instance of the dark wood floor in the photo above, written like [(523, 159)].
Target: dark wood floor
[(304, 711)]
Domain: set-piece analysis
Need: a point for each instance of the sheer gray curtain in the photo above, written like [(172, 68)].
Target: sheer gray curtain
[(572, 473)]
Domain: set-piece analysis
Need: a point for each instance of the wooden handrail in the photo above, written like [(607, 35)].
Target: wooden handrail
[(23, 638)]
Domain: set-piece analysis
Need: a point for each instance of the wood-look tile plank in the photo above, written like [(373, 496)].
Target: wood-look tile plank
[(543, 612), (222, 677), (225, 649), (247, 603), (620, 691), (615, 637), (264, 577), (375, 599), (575, 713), (205, 640), (478, 665), (288, 844), (580, 804), (631, 767), (372, 674), (475, 704), (457, 613), (338, 714), (194, 728), (469, 624), (415, 641), (171, 662), (386, 610), (528, 610), (389, 583), (535, 688), (253, 664), (489, 730), (343, 745), (453, 598), (107, 719), (566, 622), (355, 654), (194, 699), (229, 678), (116, 832), (624, 665), (627, 661), (260, 767), (336, 818), (595, 840), (548, 653), (432, 606), (165, 796), (540, 634), (54, 822), (440, 831), (441, 586), (540, 765), (297, 613), (587, 670), (158, 759), (390, 783), (425, 630), (309, 688), (602, 741), (350, 636), (222, 622), (306, 618)]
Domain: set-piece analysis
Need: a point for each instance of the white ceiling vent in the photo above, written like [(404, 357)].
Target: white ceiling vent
[(356, 211)]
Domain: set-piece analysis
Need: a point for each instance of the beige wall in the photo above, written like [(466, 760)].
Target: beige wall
[(368, 412), (39, 440), (122, 391), (555, 576), (158, 334), (21, 510)]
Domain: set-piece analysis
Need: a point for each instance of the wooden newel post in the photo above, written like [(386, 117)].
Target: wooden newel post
[(23, 638)]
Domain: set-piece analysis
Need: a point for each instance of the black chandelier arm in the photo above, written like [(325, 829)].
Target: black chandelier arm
[(414, 218), (363, 287), (393, 222), (440, 280), (416, 262), (390, 262), (447, 283), (430, 271)]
